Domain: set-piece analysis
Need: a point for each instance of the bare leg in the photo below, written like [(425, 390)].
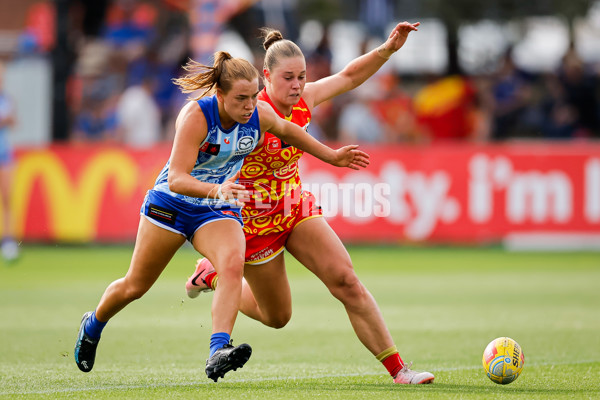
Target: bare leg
[(318, 248), (266, 296), (154, 248), (223, 243)]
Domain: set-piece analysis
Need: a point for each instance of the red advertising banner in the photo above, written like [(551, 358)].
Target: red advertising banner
[(82, 193), (444, 194)]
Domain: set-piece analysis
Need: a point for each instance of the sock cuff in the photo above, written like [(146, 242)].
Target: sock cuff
[(218, 340), (386, 353), (213, 282), (93, 327), (220, 336)]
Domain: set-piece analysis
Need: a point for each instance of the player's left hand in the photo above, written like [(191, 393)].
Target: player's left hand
[(397, 38), (349, 156), (232, 192)]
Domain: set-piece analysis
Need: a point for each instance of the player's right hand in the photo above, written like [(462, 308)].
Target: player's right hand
[(349, 156)]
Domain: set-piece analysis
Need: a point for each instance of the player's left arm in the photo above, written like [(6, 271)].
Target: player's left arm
[(347, 156), (358, 70)]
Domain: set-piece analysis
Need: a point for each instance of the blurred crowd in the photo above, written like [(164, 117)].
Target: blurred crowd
[(120, 88)]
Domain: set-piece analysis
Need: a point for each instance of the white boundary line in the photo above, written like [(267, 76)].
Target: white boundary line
[(551, 241), (267, 379)]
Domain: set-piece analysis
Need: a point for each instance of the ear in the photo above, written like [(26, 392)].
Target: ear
[(267, 75), (219, 94)]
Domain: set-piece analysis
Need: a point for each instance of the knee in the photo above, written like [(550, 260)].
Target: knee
[(230, 267), (347, 287), (278, 321)]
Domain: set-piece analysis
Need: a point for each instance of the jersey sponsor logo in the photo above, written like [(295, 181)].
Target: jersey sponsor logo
[(287, 171), (162, 214), (261, 255), (210, 148), (226, 140), (245, 145)]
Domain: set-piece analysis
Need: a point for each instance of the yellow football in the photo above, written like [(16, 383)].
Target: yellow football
[(503, 360)]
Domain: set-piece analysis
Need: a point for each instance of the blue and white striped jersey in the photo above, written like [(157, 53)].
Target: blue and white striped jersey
[(221, 154)]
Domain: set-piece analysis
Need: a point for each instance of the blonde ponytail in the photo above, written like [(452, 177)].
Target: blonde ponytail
[(221, 75)]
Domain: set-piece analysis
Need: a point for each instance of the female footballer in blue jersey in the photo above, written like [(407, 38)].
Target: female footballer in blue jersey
[(196, 197)]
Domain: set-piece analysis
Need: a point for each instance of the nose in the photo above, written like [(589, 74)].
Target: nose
[(295, 84)]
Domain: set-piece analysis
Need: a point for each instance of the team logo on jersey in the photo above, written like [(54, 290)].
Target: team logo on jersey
[(273, 144), (245, 145), (210, 148)]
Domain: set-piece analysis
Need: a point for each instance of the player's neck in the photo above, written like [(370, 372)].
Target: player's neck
[(283, 108)]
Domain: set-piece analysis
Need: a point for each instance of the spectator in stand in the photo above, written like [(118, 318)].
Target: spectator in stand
[(99, 78), (357, 122), (395, 110), (512, 90), (581, 92), (558, 117), (95, 122), (130, 30), (130, 21), (444, 109), (38, 36), (325, 116), (377, 15), (138, 115)]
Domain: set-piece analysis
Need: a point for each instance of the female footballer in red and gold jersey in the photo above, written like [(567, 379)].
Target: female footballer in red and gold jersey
[(271, 173), (285, 217)]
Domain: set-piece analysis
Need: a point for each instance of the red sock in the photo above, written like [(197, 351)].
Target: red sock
[(208, 279), (393, 364)]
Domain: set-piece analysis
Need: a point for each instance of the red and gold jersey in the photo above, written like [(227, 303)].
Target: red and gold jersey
[(270, 172)]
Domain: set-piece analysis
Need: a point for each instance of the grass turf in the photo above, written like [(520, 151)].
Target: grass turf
[(442, 305)]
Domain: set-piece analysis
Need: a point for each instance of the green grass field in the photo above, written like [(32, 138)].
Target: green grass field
[(442, 305)]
